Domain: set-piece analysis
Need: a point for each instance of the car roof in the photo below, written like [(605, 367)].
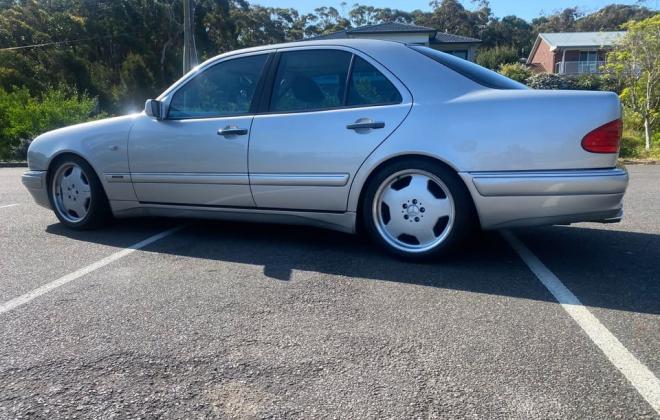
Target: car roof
[(362, 44)]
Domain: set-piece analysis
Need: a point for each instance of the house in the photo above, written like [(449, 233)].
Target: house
[(571, 52), (460, 46)]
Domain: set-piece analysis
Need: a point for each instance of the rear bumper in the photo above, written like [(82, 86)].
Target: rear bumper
[(36, 184), (512, 199)]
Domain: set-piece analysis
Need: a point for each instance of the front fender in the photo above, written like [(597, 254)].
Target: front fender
[(103, 144)]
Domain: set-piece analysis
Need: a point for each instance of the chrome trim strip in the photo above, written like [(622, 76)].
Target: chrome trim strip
[(546, 183), (315, 180), (191, 178)]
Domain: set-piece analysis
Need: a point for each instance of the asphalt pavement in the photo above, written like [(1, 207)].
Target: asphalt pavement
[(236, 320)]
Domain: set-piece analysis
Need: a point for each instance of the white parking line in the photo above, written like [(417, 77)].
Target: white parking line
[(646, 383), (39, 291), (8, 205)]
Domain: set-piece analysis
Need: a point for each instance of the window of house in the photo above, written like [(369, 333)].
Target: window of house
[(588, 56), (225, 89), (588, 62), (310, 80), (459, 53), (368, 86)]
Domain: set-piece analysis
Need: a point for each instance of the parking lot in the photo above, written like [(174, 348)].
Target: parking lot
[(219, 319)]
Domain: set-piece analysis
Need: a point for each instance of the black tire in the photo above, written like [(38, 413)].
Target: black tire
[(465, 221), (98, 213)]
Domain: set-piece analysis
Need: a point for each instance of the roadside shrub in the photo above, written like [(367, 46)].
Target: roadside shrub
[(516, 71), (493, 58), (23, 117), (550, 81), (588, 82)]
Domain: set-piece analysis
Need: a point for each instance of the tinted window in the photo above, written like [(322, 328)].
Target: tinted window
[(368, 86), (309, 80), (222, 90), (470, 70)]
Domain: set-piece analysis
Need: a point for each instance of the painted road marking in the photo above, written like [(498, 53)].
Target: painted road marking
[(646, 383), (29, 296), (8, 205)]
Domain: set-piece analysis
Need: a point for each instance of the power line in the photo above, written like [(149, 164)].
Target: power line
[(48, 44)]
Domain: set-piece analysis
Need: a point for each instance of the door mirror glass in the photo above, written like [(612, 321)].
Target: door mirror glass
[(153, 108)]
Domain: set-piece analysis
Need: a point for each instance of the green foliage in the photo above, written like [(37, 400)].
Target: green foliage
[(633, 146), (23, 117), (569, 82), (635, 63), (509, 31), (516, 71), (493, 58)]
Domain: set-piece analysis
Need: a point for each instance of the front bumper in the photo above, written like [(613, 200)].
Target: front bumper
[(36, 184), (513, 199)]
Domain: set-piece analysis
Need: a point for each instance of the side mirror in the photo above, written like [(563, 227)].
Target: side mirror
[(153, 108)]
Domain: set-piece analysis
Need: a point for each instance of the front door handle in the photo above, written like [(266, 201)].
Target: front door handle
[(232, 131), (365, 125)]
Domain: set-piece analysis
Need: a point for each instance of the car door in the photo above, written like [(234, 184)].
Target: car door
[(198, 154), (329, 108)]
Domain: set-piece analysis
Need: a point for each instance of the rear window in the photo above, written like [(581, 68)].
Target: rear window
[(474, 72)]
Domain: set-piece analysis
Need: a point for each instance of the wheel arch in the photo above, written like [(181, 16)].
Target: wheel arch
[(393, 159), (59, 156)]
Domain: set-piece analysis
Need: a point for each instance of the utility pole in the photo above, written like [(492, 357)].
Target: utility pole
[(189, 49)]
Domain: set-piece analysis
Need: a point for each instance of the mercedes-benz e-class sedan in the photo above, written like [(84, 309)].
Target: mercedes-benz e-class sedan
[(415, 146)]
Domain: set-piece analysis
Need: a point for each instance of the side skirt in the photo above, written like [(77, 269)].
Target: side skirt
[(342, 222)]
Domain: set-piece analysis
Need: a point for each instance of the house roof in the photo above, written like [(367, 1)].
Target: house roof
[(576, 40), (581, 39), (389, 27), (446, 38), (401, 28)]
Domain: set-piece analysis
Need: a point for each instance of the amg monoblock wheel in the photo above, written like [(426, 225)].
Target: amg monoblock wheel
[(76, 194), (417, 209)]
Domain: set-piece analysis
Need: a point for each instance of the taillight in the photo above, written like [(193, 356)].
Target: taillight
[(604, 139)]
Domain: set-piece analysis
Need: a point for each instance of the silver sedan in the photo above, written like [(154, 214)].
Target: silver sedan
[(415, 147)]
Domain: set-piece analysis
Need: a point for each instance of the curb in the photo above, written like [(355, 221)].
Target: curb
[(13, 164), (639, 161)]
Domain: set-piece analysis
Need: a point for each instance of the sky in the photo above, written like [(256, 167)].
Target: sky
[(526, 9)]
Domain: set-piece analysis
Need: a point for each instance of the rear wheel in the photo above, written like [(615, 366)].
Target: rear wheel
[(417, 209), (76, 194)]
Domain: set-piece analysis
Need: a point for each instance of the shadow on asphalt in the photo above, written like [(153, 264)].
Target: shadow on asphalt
[(604, 268)]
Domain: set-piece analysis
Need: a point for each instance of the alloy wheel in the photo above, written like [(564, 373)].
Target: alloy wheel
[(72, 194), (413, 211)]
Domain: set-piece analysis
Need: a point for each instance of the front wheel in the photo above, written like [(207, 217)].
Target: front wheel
[(76, 194), (417, 209)]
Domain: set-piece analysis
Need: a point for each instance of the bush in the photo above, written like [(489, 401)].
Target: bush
[(550, 81), (493, 58), (23, 117), (516, 71), (632, 146)]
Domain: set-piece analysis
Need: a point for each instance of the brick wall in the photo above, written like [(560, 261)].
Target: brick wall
[(544, 60)]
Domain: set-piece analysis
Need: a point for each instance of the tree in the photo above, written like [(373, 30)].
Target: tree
[(635, 62), (493, 58), (509, 31), (612, 17)]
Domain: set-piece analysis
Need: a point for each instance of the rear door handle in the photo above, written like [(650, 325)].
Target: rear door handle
[(232, 131), (364, 125)]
